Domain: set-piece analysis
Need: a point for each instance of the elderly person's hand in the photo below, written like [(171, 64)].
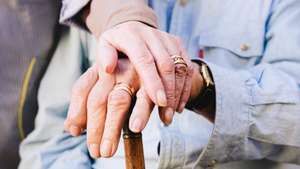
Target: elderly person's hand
[(150, 52), (109, 98)]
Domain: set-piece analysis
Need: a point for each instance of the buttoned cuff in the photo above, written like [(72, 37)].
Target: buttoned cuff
[(232, 120), (104, 15), (69, 11), (172, 150)]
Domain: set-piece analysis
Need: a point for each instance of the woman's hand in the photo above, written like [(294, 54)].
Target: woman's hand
[(150, 51)]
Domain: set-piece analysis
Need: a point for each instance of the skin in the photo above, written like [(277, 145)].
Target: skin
[(150, 52), (107, 108)]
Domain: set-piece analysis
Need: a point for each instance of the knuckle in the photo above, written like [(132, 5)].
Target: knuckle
[(93, 139), (180, 71), (112, 131), (117, 98), (116, 95), (171, 98), (112, 127), (93, 114), (167, 67), (92, 131), (144, 59), (94, 102)]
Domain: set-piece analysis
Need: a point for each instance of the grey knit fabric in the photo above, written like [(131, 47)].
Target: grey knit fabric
[(27, 29)]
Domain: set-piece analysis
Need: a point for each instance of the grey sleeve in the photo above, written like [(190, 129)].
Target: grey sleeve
[(70, 11)]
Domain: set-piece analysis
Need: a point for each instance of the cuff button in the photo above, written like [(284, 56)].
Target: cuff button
[(212, 163), (244, 47)]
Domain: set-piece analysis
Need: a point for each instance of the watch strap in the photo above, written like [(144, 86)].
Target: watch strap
[(207, 96)]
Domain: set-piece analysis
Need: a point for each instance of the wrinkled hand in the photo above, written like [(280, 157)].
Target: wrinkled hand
[(96, 106), (94, 103), (150, 51), (106, 108)]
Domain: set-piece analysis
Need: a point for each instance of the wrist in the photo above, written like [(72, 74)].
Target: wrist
[(117, 12), (197, 82), (202, 99)]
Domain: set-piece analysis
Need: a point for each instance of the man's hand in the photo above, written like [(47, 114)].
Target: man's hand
[(93, 101), (96, 103), (103, 109)]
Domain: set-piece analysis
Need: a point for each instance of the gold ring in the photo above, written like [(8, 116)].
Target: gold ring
[(178, 60), (125, 87)]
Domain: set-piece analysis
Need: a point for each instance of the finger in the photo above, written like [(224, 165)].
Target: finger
[(167, 114), (181, 73), (185, 95), (141, 111), (166, 69), (76, 119), (97, 101), (107, 56), (142, 60), (180, 76), (118, 105)]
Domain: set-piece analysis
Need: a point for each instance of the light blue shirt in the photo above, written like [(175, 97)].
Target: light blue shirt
[(253, 50)]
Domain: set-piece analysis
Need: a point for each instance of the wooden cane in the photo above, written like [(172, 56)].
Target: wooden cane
[(133, 144)]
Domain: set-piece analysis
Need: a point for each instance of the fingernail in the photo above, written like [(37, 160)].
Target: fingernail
[(74, 130), (169, 115), (161, 98), (137, 125), (106, 148), (181, 107), (94, 150)]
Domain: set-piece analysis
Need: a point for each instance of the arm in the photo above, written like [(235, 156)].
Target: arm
[(257, 111), (149, 50), (100, 15)]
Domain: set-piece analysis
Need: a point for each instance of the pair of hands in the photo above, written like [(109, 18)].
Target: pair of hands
[(149, 70)]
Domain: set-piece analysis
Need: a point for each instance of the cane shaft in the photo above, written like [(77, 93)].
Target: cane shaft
[(133, 145), (134, 153)]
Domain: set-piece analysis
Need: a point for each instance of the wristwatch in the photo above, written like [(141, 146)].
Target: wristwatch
[(207, 96)]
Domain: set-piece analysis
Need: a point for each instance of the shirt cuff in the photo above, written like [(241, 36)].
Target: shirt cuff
[(104, 15), (69, 11), (232, 118), (172, 149)]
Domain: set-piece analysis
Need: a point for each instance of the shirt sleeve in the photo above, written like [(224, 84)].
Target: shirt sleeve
[(103, 14), (70, 12), (258, 109)]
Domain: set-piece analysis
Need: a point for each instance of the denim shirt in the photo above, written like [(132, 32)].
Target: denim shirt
[(253, 50)]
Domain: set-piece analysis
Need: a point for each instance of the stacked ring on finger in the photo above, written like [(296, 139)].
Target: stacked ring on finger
[(178, 60), (125, 87)]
